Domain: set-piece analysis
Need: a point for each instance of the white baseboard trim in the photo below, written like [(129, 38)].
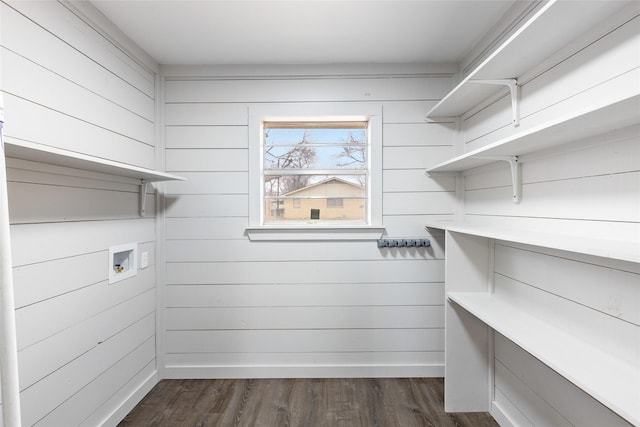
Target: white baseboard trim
[(500, 415), (337, 371), (118, 414)]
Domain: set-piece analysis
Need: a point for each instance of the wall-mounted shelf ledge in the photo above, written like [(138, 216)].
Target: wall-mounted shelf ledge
[(610, 380), (593, 120), (507, 60), (611, 249), (26, 150), (34, 152)]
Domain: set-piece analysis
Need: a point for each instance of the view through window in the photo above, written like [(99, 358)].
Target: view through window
[(315, 171)]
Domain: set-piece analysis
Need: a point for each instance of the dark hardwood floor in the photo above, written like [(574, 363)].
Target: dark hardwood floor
[(300, 402)]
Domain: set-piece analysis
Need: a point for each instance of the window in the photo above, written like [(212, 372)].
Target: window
[(315, 166), (315, 170), (336, 203)]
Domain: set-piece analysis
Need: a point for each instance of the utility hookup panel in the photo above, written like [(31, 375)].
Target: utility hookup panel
[(123, 262)]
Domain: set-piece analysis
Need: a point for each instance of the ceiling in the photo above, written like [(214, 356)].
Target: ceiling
[(217, 32)]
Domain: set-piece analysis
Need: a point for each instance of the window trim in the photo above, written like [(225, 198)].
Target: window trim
[(331, 111)]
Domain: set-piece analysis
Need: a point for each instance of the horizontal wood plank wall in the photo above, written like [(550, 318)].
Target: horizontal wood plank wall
[(565, 290), (236, 308), (85, 347), (590, 188)]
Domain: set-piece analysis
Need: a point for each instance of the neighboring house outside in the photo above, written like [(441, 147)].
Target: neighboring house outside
[(329, 200)]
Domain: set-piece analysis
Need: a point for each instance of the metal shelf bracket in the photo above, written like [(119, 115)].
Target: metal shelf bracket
[(143, 196), (512, 84), (515, 173)]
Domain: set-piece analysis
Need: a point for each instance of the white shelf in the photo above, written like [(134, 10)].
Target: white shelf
[(577, 125), (612, 249), (524, 50), (611, 381), (471, 307), (56, 156), (34, 152)]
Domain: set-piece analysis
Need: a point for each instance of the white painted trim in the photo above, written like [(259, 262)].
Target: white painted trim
[(268, 233), (160, 227), (320, 71), (9, 385), (336, 110), (107, 29), (340, 371), (500, 415), (131, 401)]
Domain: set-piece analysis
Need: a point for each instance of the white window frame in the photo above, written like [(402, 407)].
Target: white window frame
[(258, 114)]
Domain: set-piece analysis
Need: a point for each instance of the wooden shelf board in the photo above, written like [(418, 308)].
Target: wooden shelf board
[(577, 125), (611, 249), (25, 150), (612, 381), (533, 37)]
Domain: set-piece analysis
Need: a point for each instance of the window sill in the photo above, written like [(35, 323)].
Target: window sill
[(302, 233)]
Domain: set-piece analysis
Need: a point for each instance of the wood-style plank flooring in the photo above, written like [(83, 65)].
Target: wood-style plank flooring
[(300, 402)]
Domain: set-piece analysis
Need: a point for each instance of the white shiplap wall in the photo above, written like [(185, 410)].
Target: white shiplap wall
[(86, 348), (589, 187), (236, 308)]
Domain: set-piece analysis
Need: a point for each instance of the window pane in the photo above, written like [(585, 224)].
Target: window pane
[(293, 136), (315, 170), (306, 186), (320, 148), (314, 209), (316, 157), (315, 197)]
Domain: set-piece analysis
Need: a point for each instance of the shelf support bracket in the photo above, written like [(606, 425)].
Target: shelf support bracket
[(144, 185), (515, 173), (512, 84)]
